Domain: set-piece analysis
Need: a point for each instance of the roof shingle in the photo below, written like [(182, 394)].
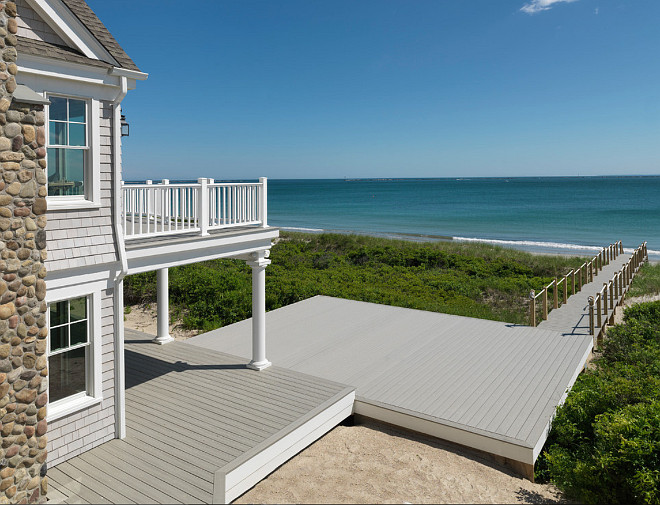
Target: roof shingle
[(48, 50), (87, 17)]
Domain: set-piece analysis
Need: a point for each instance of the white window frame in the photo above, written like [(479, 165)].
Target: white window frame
[(92, 175), (94, 373)]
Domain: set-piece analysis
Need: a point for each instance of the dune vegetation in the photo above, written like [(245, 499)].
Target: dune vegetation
[(467, 279)]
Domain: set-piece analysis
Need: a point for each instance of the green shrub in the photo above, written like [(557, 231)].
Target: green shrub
[(465, 279), (604, 446)]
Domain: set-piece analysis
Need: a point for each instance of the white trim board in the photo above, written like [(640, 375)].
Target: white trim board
[(148, 256), (445, 432), (237, 477)]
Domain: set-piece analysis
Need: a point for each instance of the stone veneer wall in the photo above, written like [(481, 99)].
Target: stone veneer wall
[(23, 328)]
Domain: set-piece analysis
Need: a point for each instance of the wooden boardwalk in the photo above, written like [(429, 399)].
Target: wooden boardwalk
[(572, 318), (196, 419), (484, 384)]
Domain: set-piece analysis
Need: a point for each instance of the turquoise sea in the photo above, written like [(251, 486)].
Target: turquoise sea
[(543, 214)]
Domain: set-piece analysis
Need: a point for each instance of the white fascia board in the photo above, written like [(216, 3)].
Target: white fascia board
[(66, 70), (70, 29), (131, 74), (167, 255), (43, 75)]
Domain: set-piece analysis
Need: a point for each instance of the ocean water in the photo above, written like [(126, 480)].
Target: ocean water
[(543, 214)]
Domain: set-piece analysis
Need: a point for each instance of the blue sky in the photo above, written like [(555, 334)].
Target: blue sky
[(390, 88)]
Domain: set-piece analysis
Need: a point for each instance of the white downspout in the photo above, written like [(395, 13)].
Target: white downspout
[(120, 378)]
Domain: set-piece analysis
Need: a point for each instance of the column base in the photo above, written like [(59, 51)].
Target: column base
[(163, 340), (259, 365)]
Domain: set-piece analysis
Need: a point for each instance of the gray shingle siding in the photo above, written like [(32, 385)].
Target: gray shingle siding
[(86, 237), (74, 434), (31, 26)]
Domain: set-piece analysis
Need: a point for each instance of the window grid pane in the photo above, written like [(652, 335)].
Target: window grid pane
[(68, 129), (69, 341)]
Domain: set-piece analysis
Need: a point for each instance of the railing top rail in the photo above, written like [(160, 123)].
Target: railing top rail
[(132, 185), (216, 184)]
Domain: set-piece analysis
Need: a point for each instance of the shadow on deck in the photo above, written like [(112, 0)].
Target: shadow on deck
[(201, 428)]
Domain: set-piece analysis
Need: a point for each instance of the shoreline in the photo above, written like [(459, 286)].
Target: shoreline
[(530, 246)]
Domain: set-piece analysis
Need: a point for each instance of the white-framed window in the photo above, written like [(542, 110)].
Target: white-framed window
[(74, 361), (68, 146), (73, 147), (68, 355)]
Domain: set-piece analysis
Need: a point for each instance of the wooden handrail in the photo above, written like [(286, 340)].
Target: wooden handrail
[(604, 257)]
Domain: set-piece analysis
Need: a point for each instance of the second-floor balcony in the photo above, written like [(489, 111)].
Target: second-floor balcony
[(154, 210), (166, 224)]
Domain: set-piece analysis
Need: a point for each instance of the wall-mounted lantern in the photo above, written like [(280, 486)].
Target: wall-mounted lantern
[(124, 126)]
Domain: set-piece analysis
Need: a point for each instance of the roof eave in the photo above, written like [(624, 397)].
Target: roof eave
[(132, 74)]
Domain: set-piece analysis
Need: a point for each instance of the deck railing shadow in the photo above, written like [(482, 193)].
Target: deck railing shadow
[(141, 368)]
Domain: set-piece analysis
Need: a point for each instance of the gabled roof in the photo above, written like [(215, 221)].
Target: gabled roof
[(87, 17)]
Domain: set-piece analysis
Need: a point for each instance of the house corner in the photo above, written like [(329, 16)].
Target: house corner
[(23, 328)]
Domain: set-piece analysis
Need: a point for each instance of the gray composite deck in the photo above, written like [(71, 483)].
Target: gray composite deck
[(493, 379), (572, 318), (190, 412)]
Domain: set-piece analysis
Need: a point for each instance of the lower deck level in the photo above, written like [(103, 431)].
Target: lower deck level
[(487, 385), (201, 428)]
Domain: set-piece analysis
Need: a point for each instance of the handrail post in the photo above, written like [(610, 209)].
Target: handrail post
[(532, 308), (164, 207), (263, 203), (573, 280), (580, 279), (605, 298), (555, 294), (615, 284), (545, 303), (147, 202), (611, 286), (565, 288), (621, 244), (203, 206), (599, 312), (591, 315)]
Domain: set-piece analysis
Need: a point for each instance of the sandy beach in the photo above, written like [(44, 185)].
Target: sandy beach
[(375, 463)]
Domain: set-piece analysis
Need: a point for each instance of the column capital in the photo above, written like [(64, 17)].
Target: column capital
[(259, 259)]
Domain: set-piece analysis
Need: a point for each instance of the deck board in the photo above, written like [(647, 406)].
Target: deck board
[(486, 377), (190, 413)]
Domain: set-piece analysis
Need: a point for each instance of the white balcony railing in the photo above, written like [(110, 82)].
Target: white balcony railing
[(151, 210)]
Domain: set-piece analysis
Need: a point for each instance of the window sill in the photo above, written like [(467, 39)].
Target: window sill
[(56, 204), (65, 407)]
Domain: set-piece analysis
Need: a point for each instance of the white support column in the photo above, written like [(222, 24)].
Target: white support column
[(259, 264), (163, 301)]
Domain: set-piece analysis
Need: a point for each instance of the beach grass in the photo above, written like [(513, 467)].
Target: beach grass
[(467, 279), (647, 281)]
